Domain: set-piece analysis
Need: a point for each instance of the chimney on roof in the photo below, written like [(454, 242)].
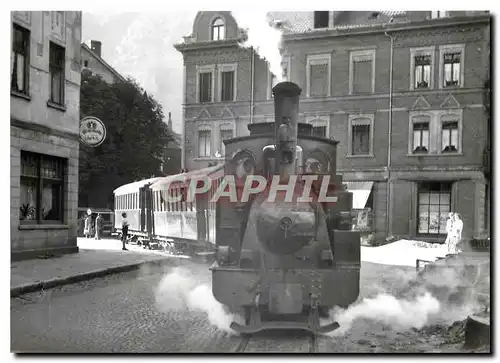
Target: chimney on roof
[(170, 120), (96, 46)]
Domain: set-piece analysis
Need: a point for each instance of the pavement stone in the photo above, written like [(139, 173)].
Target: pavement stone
[(94, 259)]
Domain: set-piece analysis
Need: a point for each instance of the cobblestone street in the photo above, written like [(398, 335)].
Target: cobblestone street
[(118, 313)]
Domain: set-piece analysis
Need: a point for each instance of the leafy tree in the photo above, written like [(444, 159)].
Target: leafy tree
[(135, 140)]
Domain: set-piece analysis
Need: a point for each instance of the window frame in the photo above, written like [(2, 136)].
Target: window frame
[(431, 51), (213, 26), (421, 190), (356, 55), (230, 67), (223, 128), (416, 118), (27, 61), (451, 48), (40, 184), (205, 69), (450, 116), (62, 69), (318, 59), (204, 128), (360, 119), (320, 121)]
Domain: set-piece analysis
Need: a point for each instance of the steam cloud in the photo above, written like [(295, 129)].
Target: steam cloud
[(265, 38), (180, 291)]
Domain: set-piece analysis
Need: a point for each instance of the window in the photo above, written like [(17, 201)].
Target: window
[(204, 140), (360, 139), (422, 71), (451, 65), (42, 179), (285, 66), (451, 69), (422, 60), (56, 66), (321, 19), (434, 204), (319, 131), (224, 135), (20, 60), (362, 72), (318, 74), (449, 136), (421, 137), (205, 87), (360, 135), (218, 29), (227, 82), (438, 14)]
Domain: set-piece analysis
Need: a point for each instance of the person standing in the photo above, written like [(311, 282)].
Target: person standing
[(458, 226), (98, 226), (88, 225), (449, 232), (124, 230)]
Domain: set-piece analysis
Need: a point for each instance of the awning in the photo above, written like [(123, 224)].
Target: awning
[(360, 192), (182, 179)]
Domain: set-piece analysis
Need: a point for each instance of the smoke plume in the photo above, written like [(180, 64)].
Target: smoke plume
[(263, 37), (180, 291)]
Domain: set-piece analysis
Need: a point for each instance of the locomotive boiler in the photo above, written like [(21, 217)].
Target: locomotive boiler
[(285, 256)]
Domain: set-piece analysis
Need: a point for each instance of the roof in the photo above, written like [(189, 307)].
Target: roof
[(303, 21), (134, 187), (182, 179), (103, 62)]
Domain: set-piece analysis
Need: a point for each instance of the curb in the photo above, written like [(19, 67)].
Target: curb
[(48, 284)]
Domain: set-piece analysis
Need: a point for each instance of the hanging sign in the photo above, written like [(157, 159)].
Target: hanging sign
[(92, 131)]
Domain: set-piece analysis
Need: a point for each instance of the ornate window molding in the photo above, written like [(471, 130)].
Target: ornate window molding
[(318, 59), (360, 55), (355, 120), (451, 48), (320, 121), (230, 67), (205, 69), (426, 51)]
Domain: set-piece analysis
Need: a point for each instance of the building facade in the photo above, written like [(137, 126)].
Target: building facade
[(92, 61), (45, 108), (402, 92)]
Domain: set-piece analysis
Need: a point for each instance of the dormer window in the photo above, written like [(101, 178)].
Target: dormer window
[(321, 19), (218, 29)]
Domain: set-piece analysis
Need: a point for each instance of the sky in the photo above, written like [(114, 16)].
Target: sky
[(141, 45)]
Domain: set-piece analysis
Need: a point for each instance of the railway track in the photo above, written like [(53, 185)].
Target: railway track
[(295, 342)]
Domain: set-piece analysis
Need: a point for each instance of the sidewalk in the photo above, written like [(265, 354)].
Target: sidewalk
[(95, 259)]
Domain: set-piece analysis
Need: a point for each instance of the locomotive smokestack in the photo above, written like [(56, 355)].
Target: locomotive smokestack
[(286, 112)]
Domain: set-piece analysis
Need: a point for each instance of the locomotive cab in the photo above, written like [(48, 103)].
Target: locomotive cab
[(287, 255)]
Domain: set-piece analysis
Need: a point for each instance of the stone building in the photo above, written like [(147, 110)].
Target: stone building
[(44, 121), (402, 92), (92, 61)]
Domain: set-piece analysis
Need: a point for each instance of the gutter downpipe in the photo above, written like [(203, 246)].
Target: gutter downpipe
[(389, 148), (252, 83), (183, 139)]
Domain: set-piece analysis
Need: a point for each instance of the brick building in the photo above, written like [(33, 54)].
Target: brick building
[(402, 92), (45, 107)]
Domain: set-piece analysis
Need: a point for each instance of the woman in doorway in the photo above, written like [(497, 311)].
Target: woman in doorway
[(458, 226)]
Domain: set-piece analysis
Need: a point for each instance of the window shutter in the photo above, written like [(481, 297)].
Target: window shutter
[(362, 82), (319, 80)]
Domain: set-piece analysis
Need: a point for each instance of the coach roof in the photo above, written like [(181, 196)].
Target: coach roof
[(184, 178), (134, 187)]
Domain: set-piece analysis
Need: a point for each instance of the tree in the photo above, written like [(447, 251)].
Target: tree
[(135, 140)]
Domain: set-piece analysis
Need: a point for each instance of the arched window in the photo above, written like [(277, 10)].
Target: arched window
[(218, 29)]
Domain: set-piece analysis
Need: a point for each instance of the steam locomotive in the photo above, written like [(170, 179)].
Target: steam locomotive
[(282, 261)]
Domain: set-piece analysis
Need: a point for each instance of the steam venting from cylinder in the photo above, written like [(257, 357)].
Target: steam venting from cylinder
[(286, 111)]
